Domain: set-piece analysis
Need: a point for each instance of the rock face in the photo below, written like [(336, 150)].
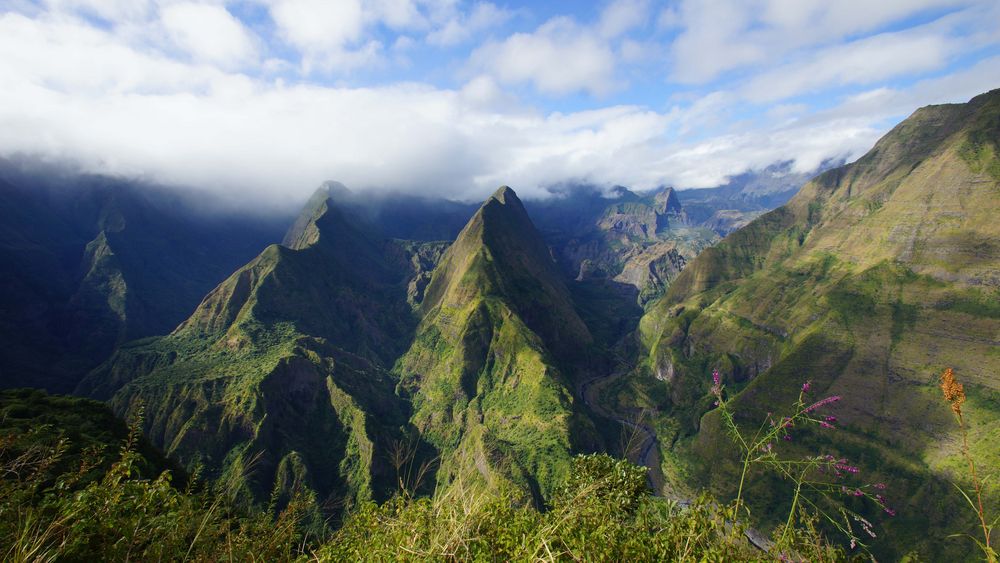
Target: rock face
[(668, 209), (725, 221), (635, 240), (746, 196), (869, 282)]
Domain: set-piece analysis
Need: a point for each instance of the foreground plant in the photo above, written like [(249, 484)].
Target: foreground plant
[(954, 394), (820, 482), (53, 508), (603, 512)]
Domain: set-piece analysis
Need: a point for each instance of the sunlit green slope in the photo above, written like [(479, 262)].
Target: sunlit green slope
[(869, 282), (496, 355)]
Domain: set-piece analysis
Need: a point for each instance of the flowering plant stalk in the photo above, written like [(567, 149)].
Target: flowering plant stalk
[(817, 479), (954, 394)]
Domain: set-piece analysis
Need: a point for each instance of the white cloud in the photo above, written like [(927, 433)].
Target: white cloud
[(117, 102), (723, 35), (559, 57), (397, 14), (318, 25), (114, 11), (329, 34), (461, 27), (621, 16), (208, 33), (861, 62)]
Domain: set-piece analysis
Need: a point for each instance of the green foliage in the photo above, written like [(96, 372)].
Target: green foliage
[(881, 273), (611, 482), (50, 511), (981, 147), (55, 510), (603, 513)]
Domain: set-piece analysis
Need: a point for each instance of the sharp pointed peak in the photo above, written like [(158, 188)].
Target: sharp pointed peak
[(324, 205), (504, 193), (333, 190)]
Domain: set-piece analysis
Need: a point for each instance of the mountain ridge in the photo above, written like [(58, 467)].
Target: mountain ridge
[(872, 279)]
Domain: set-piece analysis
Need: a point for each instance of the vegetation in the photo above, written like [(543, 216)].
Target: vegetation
[(56, 505), (820, 482), (954, 394), (349, 397)]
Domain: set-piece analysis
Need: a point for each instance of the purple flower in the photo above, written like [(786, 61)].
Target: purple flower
[(826, 425), (787, 437), (890, 511), (831, 419), (822, 403), (715, 377), (879, 486), (858, 493), (805, 386)]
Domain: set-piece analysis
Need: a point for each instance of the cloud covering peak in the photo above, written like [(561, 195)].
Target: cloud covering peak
[(271, 98)]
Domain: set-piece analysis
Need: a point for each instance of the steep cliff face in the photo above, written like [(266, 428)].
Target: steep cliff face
[(635, 241), (281, 371), (91, 262), (869, 282), (493, 361)]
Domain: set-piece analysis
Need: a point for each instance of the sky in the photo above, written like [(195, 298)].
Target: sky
[(266, 99)]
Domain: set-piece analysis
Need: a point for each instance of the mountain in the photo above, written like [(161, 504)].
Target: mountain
[(638, 242), (319, 358), (619, 241), (875, 277), (280, 376), (404, 216), (495, 358), (746, 196), (91, 262)]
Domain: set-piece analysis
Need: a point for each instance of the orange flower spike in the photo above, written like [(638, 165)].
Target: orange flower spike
[(953, 391)]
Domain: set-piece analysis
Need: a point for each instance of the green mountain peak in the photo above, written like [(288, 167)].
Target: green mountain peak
[(285, 363), (488, 366)]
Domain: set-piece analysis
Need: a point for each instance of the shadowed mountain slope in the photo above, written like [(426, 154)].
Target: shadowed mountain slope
[(288, 372), (278, 379), (91, 262)]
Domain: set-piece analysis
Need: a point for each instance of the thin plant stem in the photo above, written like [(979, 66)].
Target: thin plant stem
[(791, 512), (975, 478)]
